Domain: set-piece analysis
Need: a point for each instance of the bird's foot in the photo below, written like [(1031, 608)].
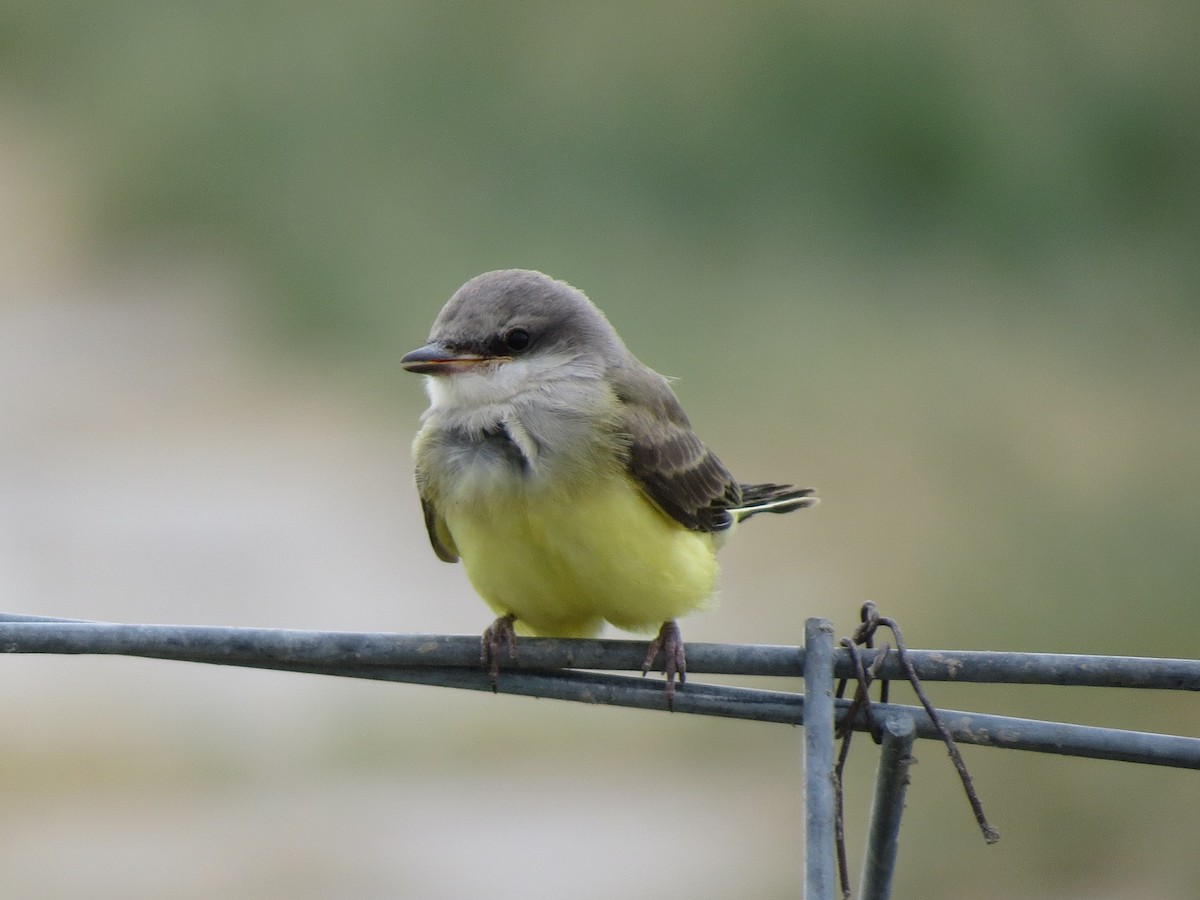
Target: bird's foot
[(670, 642), (499, 635)]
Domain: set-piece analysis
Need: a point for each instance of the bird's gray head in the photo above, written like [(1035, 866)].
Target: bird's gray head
[(517, 334), (510, 314)]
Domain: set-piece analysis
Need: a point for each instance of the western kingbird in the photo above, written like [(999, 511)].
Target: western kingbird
[(564, 473)]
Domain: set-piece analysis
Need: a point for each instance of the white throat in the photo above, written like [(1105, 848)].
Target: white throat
[(541, 379)]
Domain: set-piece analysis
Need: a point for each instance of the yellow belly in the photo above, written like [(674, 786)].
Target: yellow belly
[(565, 561)]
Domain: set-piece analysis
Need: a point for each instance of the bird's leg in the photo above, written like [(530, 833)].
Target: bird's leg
[(499, 635), (670, 642)]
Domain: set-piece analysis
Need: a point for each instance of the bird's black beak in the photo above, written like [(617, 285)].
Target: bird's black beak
[(437, 359)]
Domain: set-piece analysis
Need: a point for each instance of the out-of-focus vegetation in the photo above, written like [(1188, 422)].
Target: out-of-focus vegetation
[(359, 156), (941, 260)]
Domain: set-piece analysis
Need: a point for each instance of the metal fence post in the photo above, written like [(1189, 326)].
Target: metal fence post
[(820, 807), (891, 784)]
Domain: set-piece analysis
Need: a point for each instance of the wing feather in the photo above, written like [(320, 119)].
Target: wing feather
[(439, 533), (666, 458)]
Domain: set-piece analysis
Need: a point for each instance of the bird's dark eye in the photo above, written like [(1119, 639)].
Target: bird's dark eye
[(516, 339)]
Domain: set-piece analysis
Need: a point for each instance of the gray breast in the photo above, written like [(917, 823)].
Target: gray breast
[(491, 451)]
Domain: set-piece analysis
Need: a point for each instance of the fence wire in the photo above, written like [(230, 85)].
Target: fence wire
[(565, 669), (581, 670)]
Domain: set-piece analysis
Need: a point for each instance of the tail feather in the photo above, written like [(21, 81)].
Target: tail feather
[(772, 498)]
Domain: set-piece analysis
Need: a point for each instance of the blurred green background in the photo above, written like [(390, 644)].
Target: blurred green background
[(939, 260)]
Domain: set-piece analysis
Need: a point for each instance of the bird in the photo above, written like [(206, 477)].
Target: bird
[(564, 473)]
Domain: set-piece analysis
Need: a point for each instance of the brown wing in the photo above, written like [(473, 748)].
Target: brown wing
[(670, 463), (439, 534)]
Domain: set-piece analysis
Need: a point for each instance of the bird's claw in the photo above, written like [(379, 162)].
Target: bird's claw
[(670, 641), (498, 636)]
